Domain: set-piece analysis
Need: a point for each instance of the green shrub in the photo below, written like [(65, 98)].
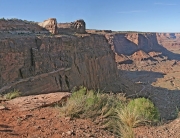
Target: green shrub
[(12, 95), (145, 109), (111, 111), (85, 103), (136, 112)]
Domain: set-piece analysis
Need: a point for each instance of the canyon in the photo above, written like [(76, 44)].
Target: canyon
[(39, 58)]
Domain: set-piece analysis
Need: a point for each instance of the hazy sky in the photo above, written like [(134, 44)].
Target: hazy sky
[(120, 15)]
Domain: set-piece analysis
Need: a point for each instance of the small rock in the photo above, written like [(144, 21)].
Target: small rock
[(63, 134), (2, 107), (68, 118), (71, 132), (89, 135)]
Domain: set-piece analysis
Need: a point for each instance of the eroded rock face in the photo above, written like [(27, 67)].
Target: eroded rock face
[(50, 24), (37, 65)]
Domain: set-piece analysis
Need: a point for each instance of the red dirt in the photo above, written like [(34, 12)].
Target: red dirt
[(168, 130), (46, 123), (37, 116)]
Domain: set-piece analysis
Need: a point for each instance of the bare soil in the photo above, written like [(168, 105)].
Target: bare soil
[(46, 123), (40, 121), (43, 120), (167, 130)]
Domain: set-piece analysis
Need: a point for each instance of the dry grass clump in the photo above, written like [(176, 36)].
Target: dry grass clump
[(99, 107), (137, 112), (111, 111), (12, 95)]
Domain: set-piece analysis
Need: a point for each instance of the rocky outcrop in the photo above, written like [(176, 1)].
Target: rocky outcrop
[(19, 25), (133, 37), (37, 65), (50, 24), (36, 101), (140, 55), (78, 26)]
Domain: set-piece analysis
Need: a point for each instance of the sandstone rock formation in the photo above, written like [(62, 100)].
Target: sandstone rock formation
[(78, 26), (133, 37), (128, 44), (36, 65), (50, 24)]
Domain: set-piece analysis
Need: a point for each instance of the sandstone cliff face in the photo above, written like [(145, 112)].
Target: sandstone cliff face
[(129, 43), (36, 65)]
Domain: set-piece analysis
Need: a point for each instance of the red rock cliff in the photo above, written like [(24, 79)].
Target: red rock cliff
[(44, 64), (129, 43)]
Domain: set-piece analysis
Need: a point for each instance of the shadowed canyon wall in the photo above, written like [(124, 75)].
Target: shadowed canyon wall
[(129, 43)]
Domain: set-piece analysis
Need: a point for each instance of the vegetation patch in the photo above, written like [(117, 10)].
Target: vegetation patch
[(112, 111), (12, 95)]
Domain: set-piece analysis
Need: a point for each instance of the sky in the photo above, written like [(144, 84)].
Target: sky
[(116, 15)]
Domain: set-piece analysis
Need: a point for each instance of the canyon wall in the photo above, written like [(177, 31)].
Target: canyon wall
[(144, 45), (36, 65)]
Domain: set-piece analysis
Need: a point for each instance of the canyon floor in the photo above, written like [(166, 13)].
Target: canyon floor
[(38, 117)]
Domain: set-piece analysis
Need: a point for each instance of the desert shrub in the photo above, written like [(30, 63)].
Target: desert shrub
[(137, 112), (126, 132), (128, 117), (12, 95), (95, 105), (111, 111), (145, 109)]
